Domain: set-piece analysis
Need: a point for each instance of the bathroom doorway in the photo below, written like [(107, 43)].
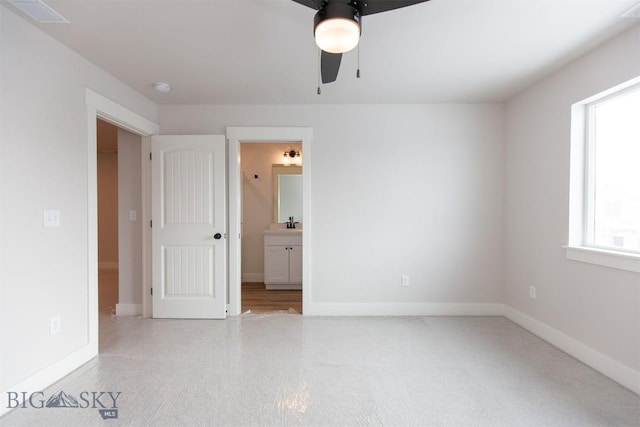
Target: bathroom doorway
[(236, 137), (260, 202)]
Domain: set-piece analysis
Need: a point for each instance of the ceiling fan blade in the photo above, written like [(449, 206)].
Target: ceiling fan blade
[(366, 7), (313, 4), (329, 66), (377, 6)]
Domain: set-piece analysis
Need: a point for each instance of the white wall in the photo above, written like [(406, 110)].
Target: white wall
[(597, 306), (396, 189), (43, 272), (257, 202), (129, 231)]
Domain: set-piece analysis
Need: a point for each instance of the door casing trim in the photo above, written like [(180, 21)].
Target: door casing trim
[(236, 136), (101, 107)]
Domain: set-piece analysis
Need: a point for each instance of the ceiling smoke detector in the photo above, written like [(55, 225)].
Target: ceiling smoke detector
[(162, 87), (39, 11)]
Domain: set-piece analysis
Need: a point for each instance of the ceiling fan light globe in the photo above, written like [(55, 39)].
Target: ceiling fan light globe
[(337, 35)]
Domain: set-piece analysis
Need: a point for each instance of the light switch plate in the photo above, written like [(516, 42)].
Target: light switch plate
[(132, 215), (51, 218), (55, 325)]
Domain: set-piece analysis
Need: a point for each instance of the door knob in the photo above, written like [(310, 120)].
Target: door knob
[(217, 236)]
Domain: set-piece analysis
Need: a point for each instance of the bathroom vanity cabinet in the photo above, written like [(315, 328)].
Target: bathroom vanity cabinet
[(283, 259)]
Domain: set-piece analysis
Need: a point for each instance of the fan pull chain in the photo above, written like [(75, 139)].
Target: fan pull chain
[(358, 72), (319, 68)]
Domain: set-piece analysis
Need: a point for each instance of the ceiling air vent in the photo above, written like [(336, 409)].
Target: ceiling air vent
[(632, 12), (39, 11)]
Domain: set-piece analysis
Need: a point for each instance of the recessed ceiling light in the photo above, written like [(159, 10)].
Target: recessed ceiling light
[(39, 11), (162, 87)]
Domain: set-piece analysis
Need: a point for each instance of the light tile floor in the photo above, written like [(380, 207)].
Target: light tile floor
[(280, 369)]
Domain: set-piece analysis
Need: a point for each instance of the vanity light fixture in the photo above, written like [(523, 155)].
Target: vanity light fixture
[(291, 156)]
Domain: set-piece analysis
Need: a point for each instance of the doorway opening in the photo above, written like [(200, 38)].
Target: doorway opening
[(107, 167), (100, 107), (120, 241), (237, 136), (271, 261)]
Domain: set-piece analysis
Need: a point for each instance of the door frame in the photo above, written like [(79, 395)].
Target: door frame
[(236, 136), (100, 107)]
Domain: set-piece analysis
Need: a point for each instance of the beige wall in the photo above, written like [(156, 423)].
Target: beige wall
[(130, 230), (257, 202), (120, 196), (107, 195)]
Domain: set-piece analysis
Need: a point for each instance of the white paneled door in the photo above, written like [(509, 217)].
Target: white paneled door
[(188, 232)]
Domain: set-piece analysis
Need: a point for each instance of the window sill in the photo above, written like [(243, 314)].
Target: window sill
[(607, 258)]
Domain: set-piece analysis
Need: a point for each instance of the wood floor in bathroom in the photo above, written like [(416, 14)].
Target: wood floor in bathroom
[(258, 299)]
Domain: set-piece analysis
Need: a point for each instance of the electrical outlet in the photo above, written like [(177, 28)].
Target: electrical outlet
[(532, 292), (405, 280), (55, 325)]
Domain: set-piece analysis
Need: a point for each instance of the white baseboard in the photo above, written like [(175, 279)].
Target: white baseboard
[(108, 265), (44, 378), (404, 309), (252, 277), (613, 369), (128, 309)]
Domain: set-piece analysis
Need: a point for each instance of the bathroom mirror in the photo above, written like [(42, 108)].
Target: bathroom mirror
[(287, 193)]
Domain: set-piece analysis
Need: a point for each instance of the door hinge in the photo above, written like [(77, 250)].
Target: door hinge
[(151, 290), (150, 156), (150, 223)]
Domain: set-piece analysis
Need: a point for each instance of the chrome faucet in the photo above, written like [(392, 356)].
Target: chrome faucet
[(291, 223)]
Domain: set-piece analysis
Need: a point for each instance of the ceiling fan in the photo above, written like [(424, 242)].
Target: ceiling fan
[(337, 26)]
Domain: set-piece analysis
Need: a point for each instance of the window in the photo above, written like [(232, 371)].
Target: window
[(604, 223), (613, 172)]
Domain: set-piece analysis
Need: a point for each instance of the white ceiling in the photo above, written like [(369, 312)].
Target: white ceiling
[(263, 52)]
